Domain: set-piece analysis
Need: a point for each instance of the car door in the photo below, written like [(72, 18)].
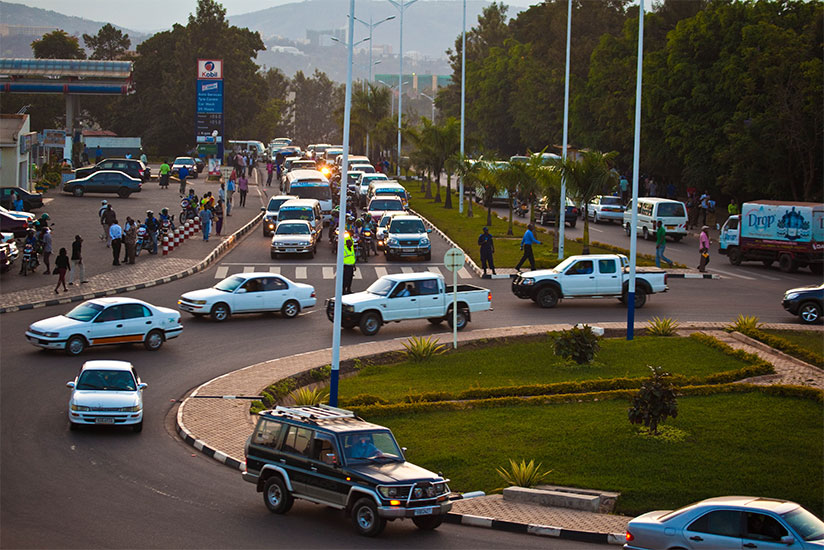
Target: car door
[(264, 445), (431, 298), (107, 327), (402, 303), (276, 292), (609, 278), (295, 454), (137, 321), (763, 531), (326, 480), (249, 296), (579, 279), (715, 530)]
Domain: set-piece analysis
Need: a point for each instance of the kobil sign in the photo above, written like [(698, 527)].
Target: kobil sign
[(210, 68)]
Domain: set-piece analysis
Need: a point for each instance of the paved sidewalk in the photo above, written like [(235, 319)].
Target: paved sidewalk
[(215, 419)]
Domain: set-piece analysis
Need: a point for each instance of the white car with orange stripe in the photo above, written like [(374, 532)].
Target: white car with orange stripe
[(105, 321)]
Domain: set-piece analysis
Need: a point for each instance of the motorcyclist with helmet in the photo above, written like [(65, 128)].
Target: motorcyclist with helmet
[(152, 226)]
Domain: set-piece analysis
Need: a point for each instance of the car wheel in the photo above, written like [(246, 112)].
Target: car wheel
[(735, 256), (428, 257), (220, 312), (77, 191), (123, 193), (547, 297), (595, 217), (428, 523), (137, 428), (153, 341), (370, 323), (646, 234), (572, 224), (273, 255), (276, 496), (290, 309), (810, 313), (462, 319), (311, 254), (640, 297), (435, 320), (75, 345), (628, 229), (366, 519)]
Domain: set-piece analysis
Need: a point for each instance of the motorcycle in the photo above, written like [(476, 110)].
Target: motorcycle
[(188, 212), (367, 240), (30, 262), (144, 240), (523, 210)]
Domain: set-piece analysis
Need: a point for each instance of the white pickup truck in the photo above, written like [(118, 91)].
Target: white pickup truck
[(591, 276), (405, 296)]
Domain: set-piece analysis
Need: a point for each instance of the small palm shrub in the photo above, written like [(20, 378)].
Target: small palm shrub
[(423, 349), (654, 402), (746, 322), (523, 474), (662, 326), (578, 344), (307, 397)]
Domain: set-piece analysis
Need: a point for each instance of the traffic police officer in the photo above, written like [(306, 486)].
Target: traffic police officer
[(348, 264)]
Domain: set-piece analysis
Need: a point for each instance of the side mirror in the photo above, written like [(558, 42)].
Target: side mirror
[(403, 449), (263, 209), (70, 384), (142, 386), (240, 291), (788, 540), (429, 231)]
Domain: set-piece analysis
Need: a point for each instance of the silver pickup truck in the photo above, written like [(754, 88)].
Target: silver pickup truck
[(590, 276), (405, 296)]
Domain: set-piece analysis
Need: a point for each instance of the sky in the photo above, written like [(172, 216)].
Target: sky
[(153, 15)]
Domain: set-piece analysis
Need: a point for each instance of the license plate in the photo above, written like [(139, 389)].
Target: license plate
[(670, 227), (428, 511), (104, 420), (291, 249)]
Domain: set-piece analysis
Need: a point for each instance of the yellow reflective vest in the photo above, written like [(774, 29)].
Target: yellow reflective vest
[(348, 255)]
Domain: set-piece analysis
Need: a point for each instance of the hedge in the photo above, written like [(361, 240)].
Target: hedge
[(786, 346)]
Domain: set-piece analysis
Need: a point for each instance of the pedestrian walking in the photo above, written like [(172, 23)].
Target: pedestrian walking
[(218, 216), (661, 245), (526, 245), (78, 271), (164, 172), (487, 250), (270, 171), (130, 240), (98, 154), (46, 243), (61, 265), (704, 249), (230, 191), (221, 193), (116, 235), (206, 222), (348, 265), (182, 174), (243, 187)]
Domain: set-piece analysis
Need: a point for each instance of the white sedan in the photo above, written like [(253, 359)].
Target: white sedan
[(249, 293), (294, 237), (605, 207), (107, 321), (106, 392)]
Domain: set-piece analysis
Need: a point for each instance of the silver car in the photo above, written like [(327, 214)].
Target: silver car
[(727, 523), (294, 237)]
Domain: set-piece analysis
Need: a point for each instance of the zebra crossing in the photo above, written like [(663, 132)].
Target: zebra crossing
[(327, 271)]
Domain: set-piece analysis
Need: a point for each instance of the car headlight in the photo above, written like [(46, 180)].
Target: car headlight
[(424, 242), (348, 308), (527, 281), (198, 302), (388, 492), (392, 241), (51, 334), (136, 408), (305, 243), (791, 296), (75, 407)]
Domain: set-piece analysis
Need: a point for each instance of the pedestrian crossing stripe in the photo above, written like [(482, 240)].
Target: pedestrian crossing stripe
[(328, 272)]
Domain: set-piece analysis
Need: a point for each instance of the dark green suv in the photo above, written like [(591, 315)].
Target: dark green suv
[(330, 456)]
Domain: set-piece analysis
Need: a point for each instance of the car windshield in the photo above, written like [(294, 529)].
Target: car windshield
[(110, 380), (612, 201), (385, 221), (385, 204), (805, 524), (319, 192), (304, 164), (85, 312), (292, 229), (185, 161), (407, 226), (364, 168), (390, 192), (292, 213), (370, 178), (371, 446), (230, 284), (381, 287), (274, 204), (561, 267), (671, 210)]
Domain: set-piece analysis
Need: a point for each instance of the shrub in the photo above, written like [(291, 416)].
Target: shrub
[(654, 402), (423, 349), (659, 326), (256, 407), (320, 373), (786, 346), (307, 397), (523, 474), (746, 322), (578, 344)]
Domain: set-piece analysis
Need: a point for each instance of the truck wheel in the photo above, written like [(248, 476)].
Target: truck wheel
[(370, 323), (640, 297), (462, 319), (787, 264), (810, 313), (817, 269), (276, 496), (428, 523), (366, 519), (735, 256), (646, 234), (547, 297), (627, 229)]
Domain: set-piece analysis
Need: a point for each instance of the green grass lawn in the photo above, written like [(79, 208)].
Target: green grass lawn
[(465, 231), (807, 339), (522, 363), (735, 444)]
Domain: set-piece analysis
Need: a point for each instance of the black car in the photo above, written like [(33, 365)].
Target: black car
[(331, 457), (14, 224), (806, 302), (546, 214), (132, 167), (105, 181), (31, 200)]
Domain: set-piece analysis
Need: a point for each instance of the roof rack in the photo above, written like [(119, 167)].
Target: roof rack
[(315, 412)]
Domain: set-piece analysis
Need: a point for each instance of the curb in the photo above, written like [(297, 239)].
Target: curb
[(221, 457), (469, 259), (533, 529), (230, 242)]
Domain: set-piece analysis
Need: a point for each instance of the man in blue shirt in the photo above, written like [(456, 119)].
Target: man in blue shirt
[(526, 245)]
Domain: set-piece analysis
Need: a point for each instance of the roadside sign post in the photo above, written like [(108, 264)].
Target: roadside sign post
[(454, 260)]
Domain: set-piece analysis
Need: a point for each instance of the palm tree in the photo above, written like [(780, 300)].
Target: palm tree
[(548, 182), (436, 143), (468, 170), (368, 107), (488, 176), (587, 177), (515, 178)]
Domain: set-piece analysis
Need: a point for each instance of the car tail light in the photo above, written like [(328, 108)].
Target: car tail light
[(489, 296), (630, 537), (665, 277), (313, 294)]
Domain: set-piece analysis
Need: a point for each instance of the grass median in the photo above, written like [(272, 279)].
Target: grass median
[(811, 340)]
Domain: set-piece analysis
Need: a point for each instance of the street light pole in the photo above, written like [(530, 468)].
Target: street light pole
[(371, 27), (560, 216), (432, 99), (463, 104), (392, 99), (401, 5)]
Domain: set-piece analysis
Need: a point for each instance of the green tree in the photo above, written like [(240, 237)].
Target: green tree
[(318, 105), (654, 402), (369, 105), (548, 181), (514, 178), (437, 142), (108, 43), (57, 45), (489, 180), (587, 177)]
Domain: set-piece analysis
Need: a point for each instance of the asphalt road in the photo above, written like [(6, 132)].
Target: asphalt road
[(116, 489)]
